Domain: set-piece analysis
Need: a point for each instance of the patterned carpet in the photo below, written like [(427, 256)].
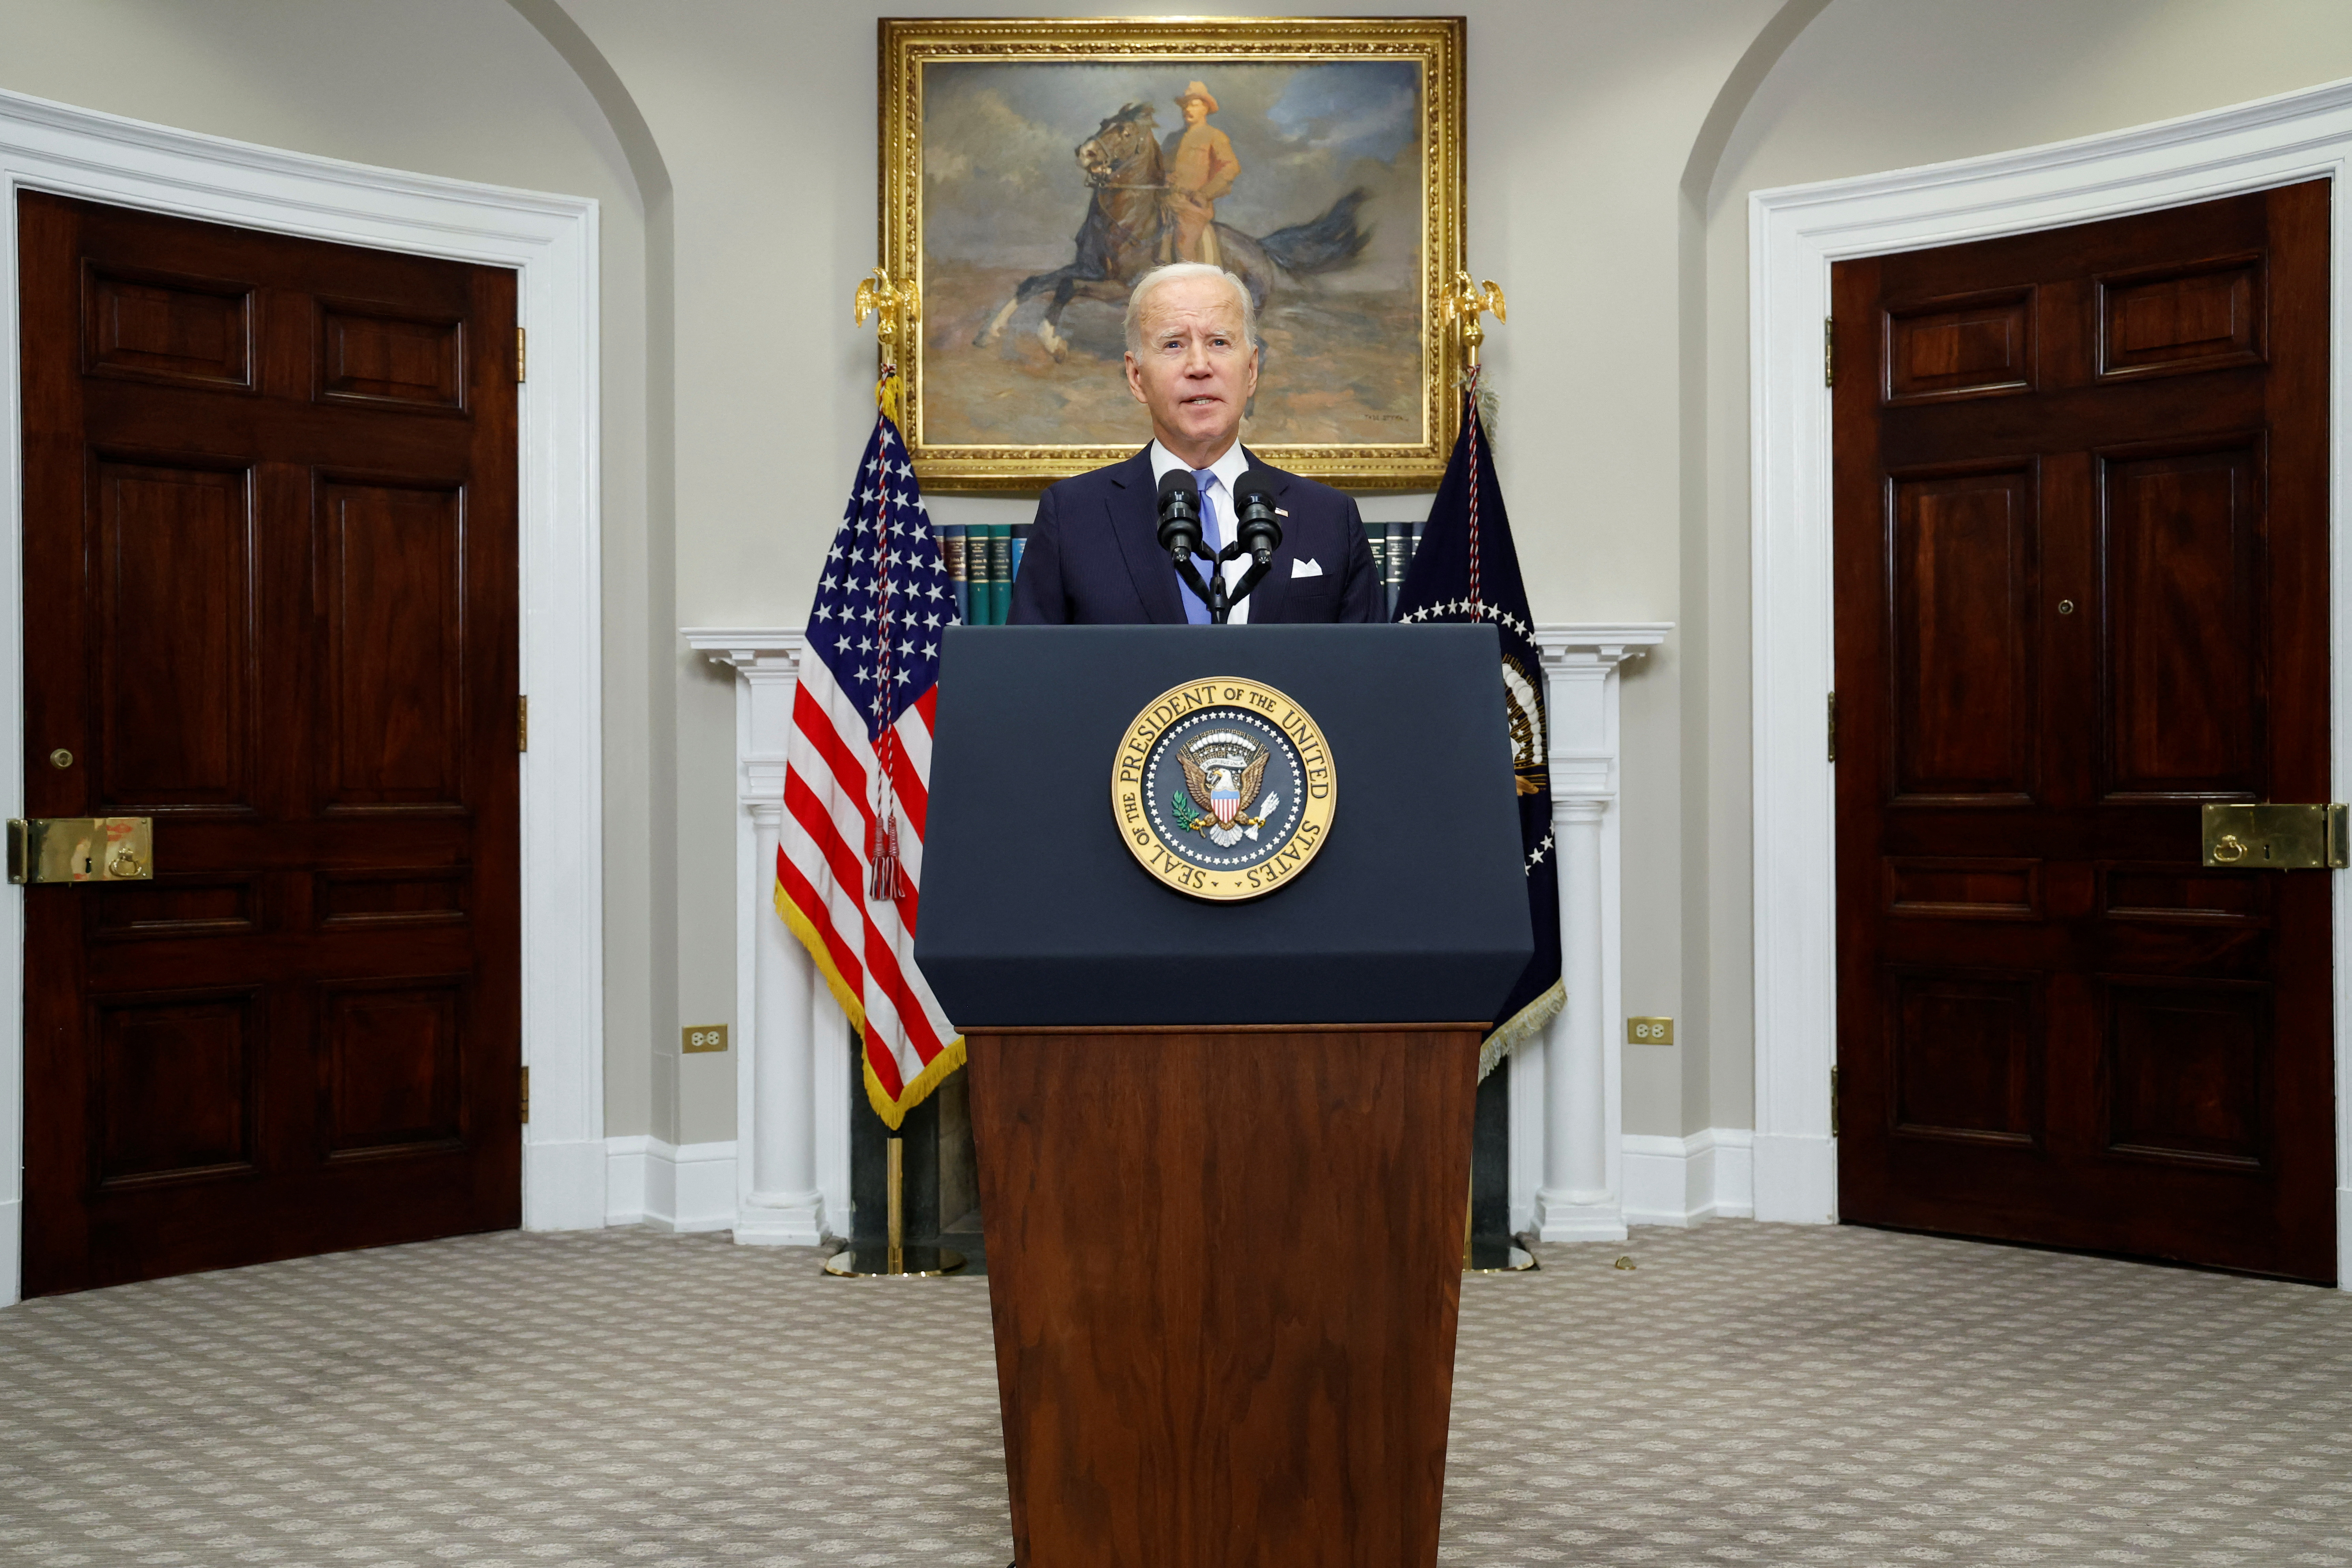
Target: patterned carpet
[(1748, 1394)]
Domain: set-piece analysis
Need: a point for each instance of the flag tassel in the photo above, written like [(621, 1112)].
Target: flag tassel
[(883, 885)]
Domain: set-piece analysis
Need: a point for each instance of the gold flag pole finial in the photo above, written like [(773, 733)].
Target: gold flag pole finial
[(899, 308), (1465, 302)]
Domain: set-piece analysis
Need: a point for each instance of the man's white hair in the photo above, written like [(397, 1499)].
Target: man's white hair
[(1175, 272)]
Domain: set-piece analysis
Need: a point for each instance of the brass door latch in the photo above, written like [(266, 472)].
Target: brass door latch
[(2276, 837), (81, 849)]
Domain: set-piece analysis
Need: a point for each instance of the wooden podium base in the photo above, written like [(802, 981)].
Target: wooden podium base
[(1225, 1267)]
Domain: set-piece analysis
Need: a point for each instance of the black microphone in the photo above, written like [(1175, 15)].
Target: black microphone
[(1180, 516), (1254, 523)]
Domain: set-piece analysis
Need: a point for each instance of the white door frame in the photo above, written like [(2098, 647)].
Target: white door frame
[(550, 242), (1794, 234)]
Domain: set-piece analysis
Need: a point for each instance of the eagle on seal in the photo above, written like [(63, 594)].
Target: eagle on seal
[(1216, 787)]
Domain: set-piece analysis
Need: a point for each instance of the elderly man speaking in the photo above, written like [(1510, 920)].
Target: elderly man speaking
[(1094, 558)]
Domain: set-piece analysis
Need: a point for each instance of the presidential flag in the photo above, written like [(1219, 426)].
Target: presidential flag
[(857, 776), (1466, 570)]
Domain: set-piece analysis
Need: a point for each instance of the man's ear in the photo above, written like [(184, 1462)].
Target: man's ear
[(1252, 372), (1135, 379)]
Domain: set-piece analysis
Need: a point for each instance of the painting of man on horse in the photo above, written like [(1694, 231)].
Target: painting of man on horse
[(1335, 292), (1137, 220)]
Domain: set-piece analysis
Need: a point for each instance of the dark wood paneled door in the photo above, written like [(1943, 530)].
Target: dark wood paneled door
[(2082, 590), (270, 601)]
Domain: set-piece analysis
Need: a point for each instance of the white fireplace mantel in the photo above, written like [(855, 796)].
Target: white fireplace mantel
[(791, 1064)]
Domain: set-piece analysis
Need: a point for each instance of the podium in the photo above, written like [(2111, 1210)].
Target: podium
[(1223, 1141)]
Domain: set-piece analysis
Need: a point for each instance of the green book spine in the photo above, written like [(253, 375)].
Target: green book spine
[(975, 565), (999, 571), (951, 556)]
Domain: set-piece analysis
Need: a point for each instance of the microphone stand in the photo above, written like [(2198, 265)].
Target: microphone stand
[(1190, 576), (1251, 578), (1214, 593)]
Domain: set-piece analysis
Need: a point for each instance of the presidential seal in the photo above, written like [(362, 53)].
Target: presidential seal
[(1222, 788)]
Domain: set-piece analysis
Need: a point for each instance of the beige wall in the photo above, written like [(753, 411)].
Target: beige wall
[(731, 143)]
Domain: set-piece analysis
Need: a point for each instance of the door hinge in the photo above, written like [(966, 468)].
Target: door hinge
[(526, 1095), (1834, 726), (1833, 1102), (522, 723), (518, 356), (1829, 350)]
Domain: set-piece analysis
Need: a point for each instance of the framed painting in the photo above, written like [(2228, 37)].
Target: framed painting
[(1032, 171)]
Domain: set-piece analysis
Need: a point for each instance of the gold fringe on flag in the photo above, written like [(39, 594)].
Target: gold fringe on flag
[(935, 1071), (1524, 1026)]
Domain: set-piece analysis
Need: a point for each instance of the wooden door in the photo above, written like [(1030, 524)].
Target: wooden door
[(2082, 589), (270, 601)]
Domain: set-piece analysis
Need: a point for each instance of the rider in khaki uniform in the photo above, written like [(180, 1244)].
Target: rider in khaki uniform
[(1200, 168)]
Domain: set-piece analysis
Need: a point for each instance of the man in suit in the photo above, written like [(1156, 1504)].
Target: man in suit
[(1093, 557)]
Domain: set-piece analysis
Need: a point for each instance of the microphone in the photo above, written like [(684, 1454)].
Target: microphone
[(1180, 535), (1255, 526), (1180, 517)]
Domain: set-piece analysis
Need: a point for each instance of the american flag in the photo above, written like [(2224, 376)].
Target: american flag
[(859, 770)]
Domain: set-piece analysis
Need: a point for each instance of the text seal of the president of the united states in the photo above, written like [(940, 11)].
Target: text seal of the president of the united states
[(1222, 788)]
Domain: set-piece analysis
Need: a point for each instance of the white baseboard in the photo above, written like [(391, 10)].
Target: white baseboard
[(625, 1178), (671, 1187), (1796, 1178), (563, 1185), (1681, 1181), (12, 1245)]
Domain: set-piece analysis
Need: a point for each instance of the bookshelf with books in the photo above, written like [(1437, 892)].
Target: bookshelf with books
[(1393, 544), (983, 558)]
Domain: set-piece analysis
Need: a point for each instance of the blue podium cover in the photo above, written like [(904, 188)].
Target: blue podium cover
[(1035, 912)]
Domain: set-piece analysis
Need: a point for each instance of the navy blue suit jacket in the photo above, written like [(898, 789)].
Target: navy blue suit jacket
[(1093, 557)]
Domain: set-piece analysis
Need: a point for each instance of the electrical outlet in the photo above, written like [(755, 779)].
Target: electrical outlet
[(1648, 1031), (704, 1037)]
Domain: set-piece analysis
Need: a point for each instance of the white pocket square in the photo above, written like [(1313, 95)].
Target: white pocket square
[(1305, 566)]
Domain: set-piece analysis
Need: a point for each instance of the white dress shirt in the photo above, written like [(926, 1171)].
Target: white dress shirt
[(1220, 487)]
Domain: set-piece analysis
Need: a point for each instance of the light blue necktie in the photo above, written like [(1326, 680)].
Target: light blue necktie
[(1212, 536)]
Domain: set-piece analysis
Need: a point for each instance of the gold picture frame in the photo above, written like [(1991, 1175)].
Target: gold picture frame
[(1346, 215)]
